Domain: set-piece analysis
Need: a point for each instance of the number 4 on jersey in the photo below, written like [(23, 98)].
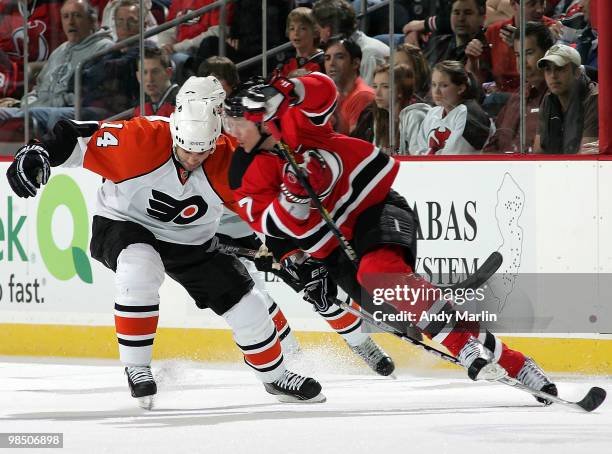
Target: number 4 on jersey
[(108, 139)]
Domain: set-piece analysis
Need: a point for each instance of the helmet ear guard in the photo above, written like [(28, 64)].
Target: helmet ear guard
[(195, 123)]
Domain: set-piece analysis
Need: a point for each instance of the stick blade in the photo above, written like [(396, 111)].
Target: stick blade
[(593, 399)]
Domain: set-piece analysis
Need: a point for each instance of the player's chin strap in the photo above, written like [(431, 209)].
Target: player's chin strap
[(262, 139)]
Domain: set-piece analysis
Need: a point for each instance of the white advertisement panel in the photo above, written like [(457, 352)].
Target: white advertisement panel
[(543, 216)]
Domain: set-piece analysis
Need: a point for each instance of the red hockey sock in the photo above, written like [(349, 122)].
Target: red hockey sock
[(511, 360), (386, 268)]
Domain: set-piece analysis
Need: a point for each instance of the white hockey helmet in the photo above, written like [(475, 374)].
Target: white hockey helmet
[(195, 123)]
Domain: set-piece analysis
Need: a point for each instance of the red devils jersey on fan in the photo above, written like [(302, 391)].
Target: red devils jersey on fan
[(198, 25), (362, 175), (312, 64), (44, 33), (143, 182)]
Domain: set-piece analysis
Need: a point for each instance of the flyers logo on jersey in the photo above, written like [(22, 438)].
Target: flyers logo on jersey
[(182, 212), (437, 141)]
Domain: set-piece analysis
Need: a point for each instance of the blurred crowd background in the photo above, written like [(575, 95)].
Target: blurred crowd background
[(452, 77)]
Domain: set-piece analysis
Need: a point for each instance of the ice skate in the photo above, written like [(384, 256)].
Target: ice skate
[(291, 387), (478, 360), (533, 376), (142, 385), (375, 357)]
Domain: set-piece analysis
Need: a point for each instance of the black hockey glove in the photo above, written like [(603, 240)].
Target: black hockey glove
[(319, 289), (267, 102), (30, 170), (264, 260)]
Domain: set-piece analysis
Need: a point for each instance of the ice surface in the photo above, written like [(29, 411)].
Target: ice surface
[(218, 409)]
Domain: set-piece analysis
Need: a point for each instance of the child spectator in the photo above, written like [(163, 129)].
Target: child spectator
[(303, 35), (457, 125)]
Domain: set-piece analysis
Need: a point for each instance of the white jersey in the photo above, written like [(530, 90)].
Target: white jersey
[(464, 130), (144, 183)]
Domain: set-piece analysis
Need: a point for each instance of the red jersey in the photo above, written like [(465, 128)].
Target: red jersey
[(352, 105), (198, 25), (363, 175), (312, 64), (45, 34)]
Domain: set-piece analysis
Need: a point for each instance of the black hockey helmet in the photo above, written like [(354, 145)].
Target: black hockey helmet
[(233, 106)]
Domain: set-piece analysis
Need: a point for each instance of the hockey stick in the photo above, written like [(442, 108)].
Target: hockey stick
[(314, 198), (593, 398), (476, 280), (590, 402)]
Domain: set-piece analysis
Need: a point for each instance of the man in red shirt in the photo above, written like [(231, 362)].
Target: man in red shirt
[(500, 38), (342, 60), (160, 91)]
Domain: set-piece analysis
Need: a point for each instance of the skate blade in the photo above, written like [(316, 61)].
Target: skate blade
[(392, 376), (491, 372), (146, 402), (320, 398)]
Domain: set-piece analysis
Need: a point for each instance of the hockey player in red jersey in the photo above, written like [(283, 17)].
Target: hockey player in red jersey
[(353, 179), (157, 212)]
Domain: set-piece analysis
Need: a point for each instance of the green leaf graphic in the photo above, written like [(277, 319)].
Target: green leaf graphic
[(81, 264)]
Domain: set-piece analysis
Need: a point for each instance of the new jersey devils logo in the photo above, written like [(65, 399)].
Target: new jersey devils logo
[(437, 141), (38, 48), (182, 212)]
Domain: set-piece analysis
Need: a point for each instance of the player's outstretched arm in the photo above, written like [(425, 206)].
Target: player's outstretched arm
[(32, 165)]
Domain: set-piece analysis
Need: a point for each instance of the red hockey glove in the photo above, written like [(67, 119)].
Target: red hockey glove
[(267, 102), (317, 172)]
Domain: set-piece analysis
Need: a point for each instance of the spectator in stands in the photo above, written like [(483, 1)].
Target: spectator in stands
[(499, 35), (409, 111), (245, 34), (342, 62), (405, 11), (538, 40), (413, 57), (110, 84), (159, 90), (55, 81), (336, 18), (437, 21), (457, 125), (303, 35), (498, 10), (466, 19), (109, 21), (587, 41), (44, 36), (568, 115), (182, 42), (224, 70)]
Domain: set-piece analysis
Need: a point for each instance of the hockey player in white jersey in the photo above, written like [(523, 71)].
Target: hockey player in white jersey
[(157, 213), (320, 292)]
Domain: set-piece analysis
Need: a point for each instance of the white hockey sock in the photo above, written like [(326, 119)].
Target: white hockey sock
[(139, 275), (255, 334)]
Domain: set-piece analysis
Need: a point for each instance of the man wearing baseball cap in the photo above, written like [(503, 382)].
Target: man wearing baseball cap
[(568, 115)]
